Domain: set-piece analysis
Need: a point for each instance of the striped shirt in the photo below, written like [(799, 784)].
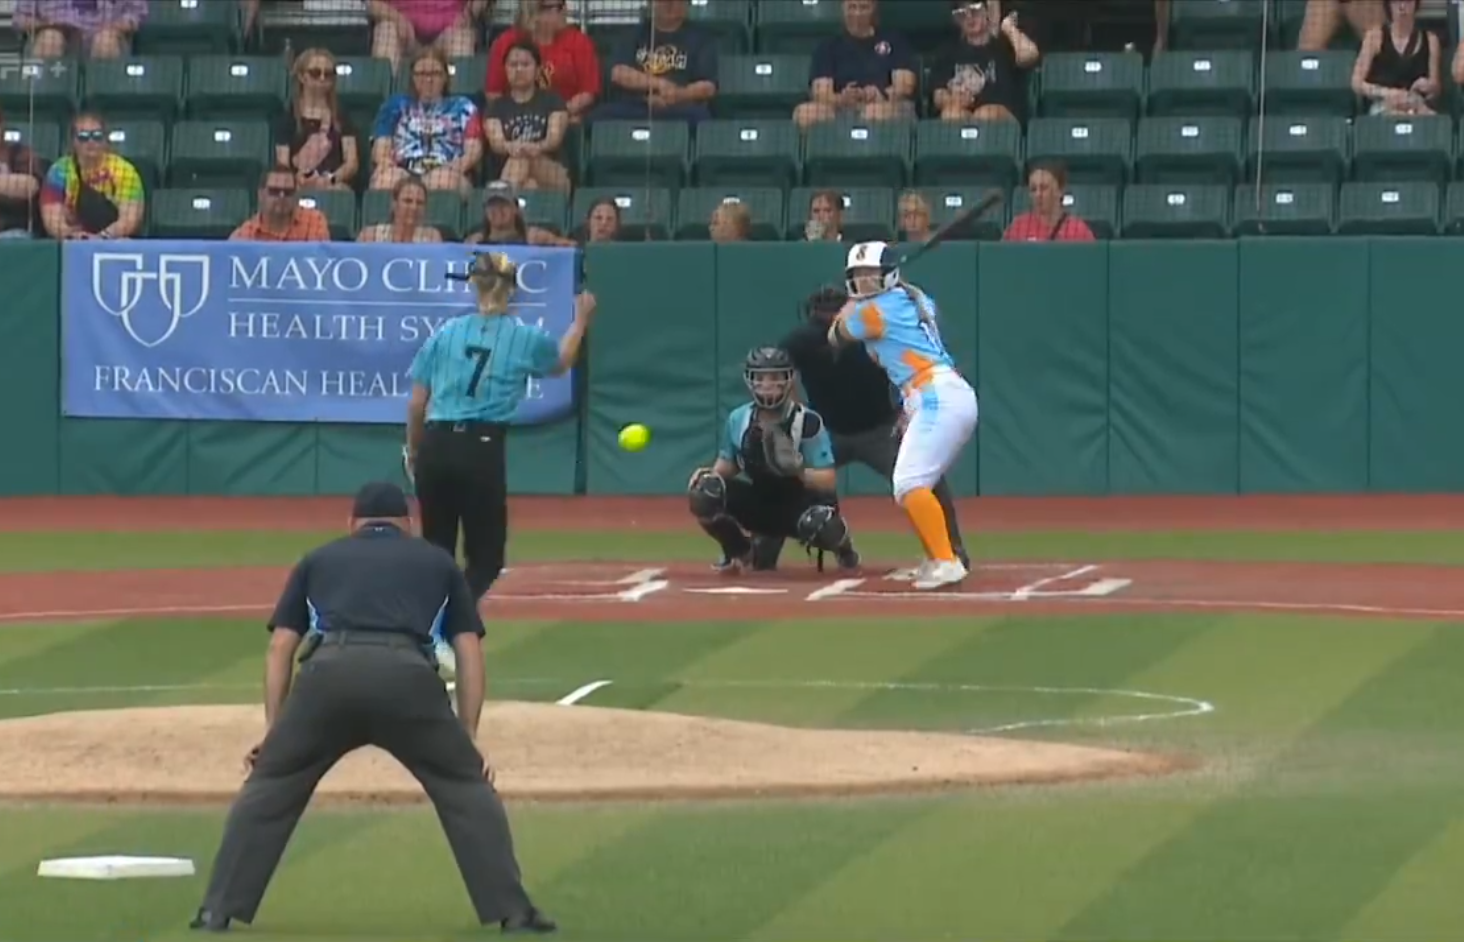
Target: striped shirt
[(477, 367)]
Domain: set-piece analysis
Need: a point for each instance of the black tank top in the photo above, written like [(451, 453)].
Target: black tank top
[(1394, 69)]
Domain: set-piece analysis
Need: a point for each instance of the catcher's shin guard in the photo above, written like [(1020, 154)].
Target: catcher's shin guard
[(729, 536), (765, 552)]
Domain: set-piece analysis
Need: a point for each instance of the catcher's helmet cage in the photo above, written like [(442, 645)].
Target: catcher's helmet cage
[(768, 373)]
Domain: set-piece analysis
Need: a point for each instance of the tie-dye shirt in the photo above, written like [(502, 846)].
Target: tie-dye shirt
[(424, 136), (115, 178)]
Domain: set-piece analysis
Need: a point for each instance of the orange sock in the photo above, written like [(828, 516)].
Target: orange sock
[(930, 523)]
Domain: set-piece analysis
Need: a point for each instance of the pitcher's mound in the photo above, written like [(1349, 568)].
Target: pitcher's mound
[(540, 752)]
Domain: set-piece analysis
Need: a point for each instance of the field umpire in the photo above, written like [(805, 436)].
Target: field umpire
[(858, 406), (368, 602), (468, 379)]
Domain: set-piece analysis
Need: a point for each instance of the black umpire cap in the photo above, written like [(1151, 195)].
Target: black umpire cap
[(380, 500)]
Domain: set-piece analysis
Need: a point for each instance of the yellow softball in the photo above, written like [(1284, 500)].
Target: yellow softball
[(634, 437)]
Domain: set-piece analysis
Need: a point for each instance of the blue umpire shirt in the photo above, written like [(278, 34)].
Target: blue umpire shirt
[(477, 367)]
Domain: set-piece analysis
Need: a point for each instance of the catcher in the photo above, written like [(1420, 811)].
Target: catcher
[(790, 488)]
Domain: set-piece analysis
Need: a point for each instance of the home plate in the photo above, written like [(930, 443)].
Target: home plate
[(738, 590), (115, 867)]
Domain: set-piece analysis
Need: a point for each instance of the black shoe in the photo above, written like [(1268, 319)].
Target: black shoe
[(209, 922), (531, 921), (964, 558)]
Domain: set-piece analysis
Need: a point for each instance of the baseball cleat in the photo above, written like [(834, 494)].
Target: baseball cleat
[(533, 921), (730, 566), (206, 921), (941, 572), (446, 659), (911, 574)]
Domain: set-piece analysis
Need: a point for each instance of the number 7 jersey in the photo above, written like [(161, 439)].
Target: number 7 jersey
[(477, 367), (899, 336)]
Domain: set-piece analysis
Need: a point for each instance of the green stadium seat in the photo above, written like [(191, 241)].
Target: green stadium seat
[(730, 21), (1298, 149), (189, 26), (1202, 83), (1310, 83), (1094, 150), (362, 84), (444, 210), (765, 205), (45, 89), (1180, 211), (1285, 209), (628, 153), (1405, 208), (761, 86), (142, 87), (219, 152), (917, 16), (1454, 209), (751, 152), (342, 28), (796, 27), (1387, 148), (339, 207), (542, 209), (1188, 150), (869, 213), (197, 213), (858, 153), (946, 203), (145, 144), (1216, 24), (241, 86), (1092, 85), (46, 138), (1095, 204), (642, 212), (978, 153), (469, 76)]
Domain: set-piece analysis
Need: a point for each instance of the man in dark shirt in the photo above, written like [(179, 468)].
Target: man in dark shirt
[(982, 76), (858, 406), (666, 70), (369, 603), (866, 72)]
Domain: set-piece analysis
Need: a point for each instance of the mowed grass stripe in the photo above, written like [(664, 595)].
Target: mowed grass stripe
[(1422, 902), (715, 872), (855, 653), (1302, 865), (1019, 863)]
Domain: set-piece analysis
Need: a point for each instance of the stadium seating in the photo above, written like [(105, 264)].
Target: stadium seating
[(340, 211), (1389, 209), (1296, 149), (141, 87), (1176, 211), (869, 213), (1092, 85), (766, 206), (643, 212), (1096, 205), (627, 153), (976, 153), (1285, 209), (948, 202), (858, 153), (762, 152), (1095, 150)]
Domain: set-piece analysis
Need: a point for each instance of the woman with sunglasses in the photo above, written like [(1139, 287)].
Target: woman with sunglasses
[(429, 133), (91, 193), (568, 66), (315, 137)]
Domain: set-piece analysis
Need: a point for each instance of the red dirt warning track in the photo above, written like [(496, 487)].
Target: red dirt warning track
[(681, 592)]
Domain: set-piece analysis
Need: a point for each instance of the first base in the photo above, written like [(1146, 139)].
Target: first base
[(115, 867)]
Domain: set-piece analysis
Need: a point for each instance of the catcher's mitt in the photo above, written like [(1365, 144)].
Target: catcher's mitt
[(780, 450)]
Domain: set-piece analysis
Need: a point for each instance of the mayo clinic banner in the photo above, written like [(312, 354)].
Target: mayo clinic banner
[(279, 332)]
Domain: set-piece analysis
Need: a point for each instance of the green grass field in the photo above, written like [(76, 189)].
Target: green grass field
[(1328, 805)]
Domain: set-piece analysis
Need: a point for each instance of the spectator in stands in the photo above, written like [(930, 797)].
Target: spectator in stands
[(825, 217), (1323, 18), (102, 28), (91, 192), (1458, 68), (525, 128), (408, 206), (281, 218), (1398, 68), (569, 65), (914, 217), (666, 70), (866, 71), (503, 224), (731, 222), (982, 76), (411, 26), (1048, 220), (428, 133), (21, 173), (602, 222), (315, 136)]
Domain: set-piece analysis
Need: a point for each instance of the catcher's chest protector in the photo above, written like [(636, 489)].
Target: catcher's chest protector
[(753, 454)]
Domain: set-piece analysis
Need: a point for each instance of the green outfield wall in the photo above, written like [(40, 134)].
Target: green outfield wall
[(1276, 365)]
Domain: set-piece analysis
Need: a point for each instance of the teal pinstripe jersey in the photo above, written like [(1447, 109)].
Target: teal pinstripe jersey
[(477, 368)]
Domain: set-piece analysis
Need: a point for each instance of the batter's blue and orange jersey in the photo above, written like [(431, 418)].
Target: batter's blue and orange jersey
[(815, 445), (898, 338), (478, 368)]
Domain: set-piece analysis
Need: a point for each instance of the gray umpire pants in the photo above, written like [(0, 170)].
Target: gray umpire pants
[(358, 690), (877, 450)]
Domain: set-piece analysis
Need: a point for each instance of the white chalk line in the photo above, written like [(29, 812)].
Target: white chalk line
[(1031, 588), (1186, 706), (837, 587)]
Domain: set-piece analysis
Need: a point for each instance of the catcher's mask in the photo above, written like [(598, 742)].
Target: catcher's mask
[(870, 268), (768, 373)]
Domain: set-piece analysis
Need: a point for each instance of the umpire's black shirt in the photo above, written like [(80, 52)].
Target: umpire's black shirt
[(851, 393), (378, 579)]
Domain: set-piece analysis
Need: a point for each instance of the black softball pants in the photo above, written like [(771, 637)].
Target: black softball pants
[(462, 483)]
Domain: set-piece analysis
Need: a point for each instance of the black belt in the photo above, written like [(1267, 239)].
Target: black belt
[(389, 639), (473, 427)]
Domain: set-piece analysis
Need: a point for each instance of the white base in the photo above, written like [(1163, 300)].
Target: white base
[(115, 867)]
